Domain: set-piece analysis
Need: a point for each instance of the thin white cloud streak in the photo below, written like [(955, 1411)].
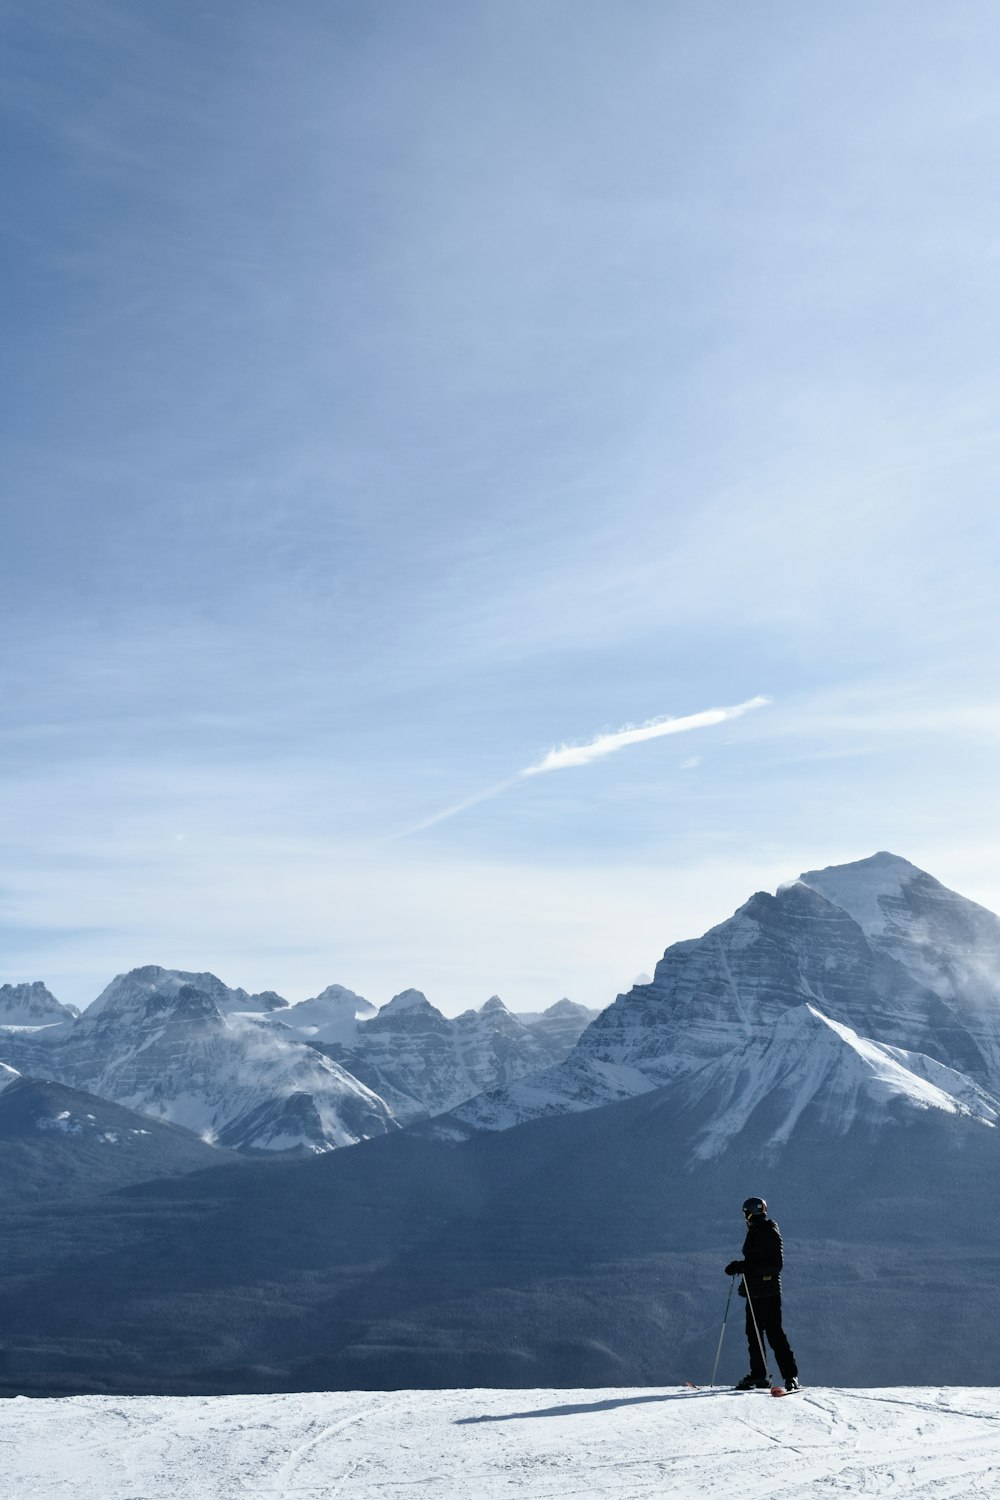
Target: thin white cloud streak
[(607, 744), (582, 755), (451, 812)]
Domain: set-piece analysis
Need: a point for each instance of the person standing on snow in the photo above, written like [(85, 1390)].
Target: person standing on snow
[(760, 1270)]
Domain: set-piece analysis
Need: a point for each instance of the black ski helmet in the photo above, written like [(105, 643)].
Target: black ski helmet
[(754, 1208)]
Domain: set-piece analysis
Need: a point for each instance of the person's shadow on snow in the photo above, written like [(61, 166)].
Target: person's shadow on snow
[(577, 1410)]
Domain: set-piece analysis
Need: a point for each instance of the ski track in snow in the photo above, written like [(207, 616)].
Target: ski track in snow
[(619, 1444)]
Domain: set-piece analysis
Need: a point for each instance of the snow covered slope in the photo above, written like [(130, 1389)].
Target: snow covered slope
[(812, 1065), (619, 1443), (877, 947)]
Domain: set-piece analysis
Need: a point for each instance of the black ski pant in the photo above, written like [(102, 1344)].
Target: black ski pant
[(767, 1311)]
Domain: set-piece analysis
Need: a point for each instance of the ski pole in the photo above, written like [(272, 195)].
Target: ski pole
[(753, 1316), (725, 1315)]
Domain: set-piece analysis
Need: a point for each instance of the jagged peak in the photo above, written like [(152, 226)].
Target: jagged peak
[(567, 1007), (763, 909), (32, 1003), (153, 991), (338, 992), (128, 989), (493, 1006), (408, 1000), (335, 1004), (268, 1000)]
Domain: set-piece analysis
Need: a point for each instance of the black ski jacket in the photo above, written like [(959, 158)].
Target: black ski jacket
[(762, 1260)]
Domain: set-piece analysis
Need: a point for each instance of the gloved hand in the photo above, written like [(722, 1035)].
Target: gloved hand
[(736, 1267)]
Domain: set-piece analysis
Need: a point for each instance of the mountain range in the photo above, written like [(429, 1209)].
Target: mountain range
[(252, 1073), (834, 1047)]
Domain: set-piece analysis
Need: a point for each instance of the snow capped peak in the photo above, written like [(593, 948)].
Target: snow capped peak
[(409, 1013), (493, 1006), (947, 944), (267, 1000), (32, 1005), (152, 993), (331, 1016), (339, 994), (133, 992), (863, 889), (407, 1000)]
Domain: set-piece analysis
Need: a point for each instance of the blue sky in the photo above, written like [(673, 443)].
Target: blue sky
[(394, 393)]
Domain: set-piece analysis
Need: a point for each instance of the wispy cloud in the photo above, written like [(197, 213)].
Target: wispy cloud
[(604, 744), (653, 729)]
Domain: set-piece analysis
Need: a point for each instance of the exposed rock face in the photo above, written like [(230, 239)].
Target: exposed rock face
[(877, 947), (32, 1005), (411, 1052)]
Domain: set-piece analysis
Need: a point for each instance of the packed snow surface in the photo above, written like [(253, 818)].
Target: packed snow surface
[(618, 1444)]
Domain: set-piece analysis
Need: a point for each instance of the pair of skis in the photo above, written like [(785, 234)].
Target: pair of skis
[(776, 1390)]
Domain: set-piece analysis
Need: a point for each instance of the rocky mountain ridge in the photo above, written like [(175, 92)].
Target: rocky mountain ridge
[(252, 1073), (427, 1063), (866, 989)]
